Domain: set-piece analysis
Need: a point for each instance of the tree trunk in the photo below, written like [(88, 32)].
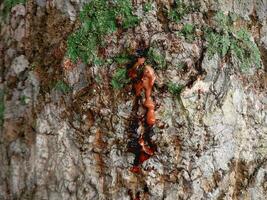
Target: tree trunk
[(67, 133)]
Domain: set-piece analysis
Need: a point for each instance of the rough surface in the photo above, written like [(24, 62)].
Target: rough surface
[(211, 139)]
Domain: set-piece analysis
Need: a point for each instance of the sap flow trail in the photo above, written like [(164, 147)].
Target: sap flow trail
[(143, 78)]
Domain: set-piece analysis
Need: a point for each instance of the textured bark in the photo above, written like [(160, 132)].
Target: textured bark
[(211, 140)]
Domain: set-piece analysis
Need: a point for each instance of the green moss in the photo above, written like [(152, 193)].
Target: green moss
[(81, 45), (123, 58), (2, 107), (217, 43), (23, 99), (148, 6), (123, 10), (180, 9), (8, 4), (98, 18), (120, 78), (98, 61), (245, 50), (224, 40), (223, 22), (62, 87), (188, 32), (156, 58), (175, 89), (188, 29)]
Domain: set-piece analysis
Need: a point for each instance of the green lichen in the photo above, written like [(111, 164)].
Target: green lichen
[(223, 22), (123, 58), (181, 9), (217, 43), (174, 88), (24, 99), (148, 6), (224, 39), (9, 4), (156, 58), (98, 19), (62, 87), (123, 10), (188, 32), (97, 61), (120, 78), (245, 50)]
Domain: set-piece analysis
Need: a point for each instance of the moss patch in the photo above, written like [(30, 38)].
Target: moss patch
[(180, 9), (120, 78), (156, 58), (123, 58), (147, 6), (188, 32), (8, 4), (98, 18), (62, 87), (174, 88), (224, 40)]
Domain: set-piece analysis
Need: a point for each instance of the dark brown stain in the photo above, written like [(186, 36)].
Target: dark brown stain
[(99, 142), (217, 177), (45, 43), (263, 51), (241, 171), (162, 15)]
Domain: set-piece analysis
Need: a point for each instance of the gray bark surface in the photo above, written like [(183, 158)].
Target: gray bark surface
[(211, 140)]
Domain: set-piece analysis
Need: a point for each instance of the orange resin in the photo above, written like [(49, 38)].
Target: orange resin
[(133, 71), (143, 157), (138, 88), (146, 83), (135, 169), (146, 148)]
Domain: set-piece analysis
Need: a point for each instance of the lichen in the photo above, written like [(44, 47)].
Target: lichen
[(62, 87), (224, 39), (156, 58), (175, 89), (8, 4), (188, 32), (180, 9), (24, 100), (147, 6), (120, 78), (123, 58)]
